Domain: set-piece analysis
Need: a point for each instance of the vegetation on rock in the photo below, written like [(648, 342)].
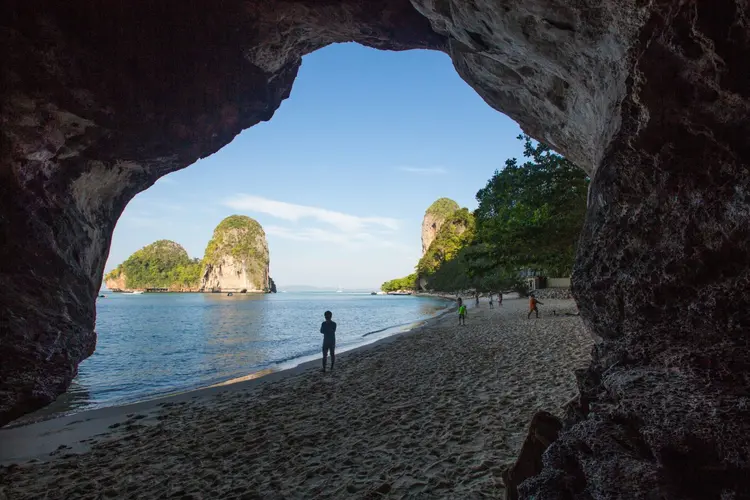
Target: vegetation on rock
[(243, 239), (529, 217), (456, 232), (442, 207), (162, 264), (406, 283)]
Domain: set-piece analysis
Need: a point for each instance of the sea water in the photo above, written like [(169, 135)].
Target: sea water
[(150, 345)]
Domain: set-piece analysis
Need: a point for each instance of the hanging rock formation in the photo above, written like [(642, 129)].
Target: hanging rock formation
[(652, 98), (237, 257), (434, 217)]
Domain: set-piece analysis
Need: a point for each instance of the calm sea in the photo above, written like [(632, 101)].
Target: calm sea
[(156, 344)]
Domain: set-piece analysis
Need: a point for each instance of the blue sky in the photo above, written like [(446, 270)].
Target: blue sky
[(342, 174)]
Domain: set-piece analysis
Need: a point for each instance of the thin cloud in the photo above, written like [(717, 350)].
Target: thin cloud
[(292, 212), (424, 170), (351, 240)]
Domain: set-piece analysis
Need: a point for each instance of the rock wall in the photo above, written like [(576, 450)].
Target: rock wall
[(100, 99)]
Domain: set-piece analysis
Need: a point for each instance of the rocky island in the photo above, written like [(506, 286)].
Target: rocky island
[(236, 260), (446, 228), (163, 265), (237, 257)]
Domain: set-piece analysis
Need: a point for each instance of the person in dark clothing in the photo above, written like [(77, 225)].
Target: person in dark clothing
[(328, 329)]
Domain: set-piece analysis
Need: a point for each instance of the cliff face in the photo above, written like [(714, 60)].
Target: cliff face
[(237, 257), (116, 280), (434, 217), (456, 231)]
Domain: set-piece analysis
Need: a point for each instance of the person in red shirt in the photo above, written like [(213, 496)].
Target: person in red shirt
[(532, 306)]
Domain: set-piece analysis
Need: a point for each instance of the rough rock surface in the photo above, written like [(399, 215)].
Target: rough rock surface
[(543, 431), (237, 257), (434, 217), (651, 97), (118, 282)]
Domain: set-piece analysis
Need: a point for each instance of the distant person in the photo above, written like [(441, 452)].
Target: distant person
[(477, 297), (532, 306), (491, 306), (499, 298), (328, 329), (461, 312)]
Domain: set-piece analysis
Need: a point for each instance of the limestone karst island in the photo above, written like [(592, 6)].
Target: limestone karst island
[(573, 323), (236, 260)]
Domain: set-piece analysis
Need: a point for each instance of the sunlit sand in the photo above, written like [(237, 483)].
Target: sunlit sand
[(438, 412)]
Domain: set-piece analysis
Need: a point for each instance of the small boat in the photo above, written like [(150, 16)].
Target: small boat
[(137, 292), (373, 293), (102, 296), (230, 294)]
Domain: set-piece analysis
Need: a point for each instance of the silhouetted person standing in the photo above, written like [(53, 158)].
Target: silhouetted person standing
[(328, 329), (491, 300)]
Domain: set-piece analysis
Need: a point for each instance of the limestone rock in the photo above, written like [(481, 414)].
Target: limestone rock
[(433, 219), (237, 257), (543, 430), (116, 280)]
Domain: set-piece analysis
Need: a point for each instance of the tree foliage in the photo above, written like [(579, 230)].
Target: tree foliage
[(442, 207), (406, 283), (162, 264), (530, 215)]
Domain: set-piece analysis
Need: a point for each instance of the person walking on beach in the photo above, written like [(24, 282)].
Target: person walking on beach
[(461, 312), (532, 306), (491, 306), (477, 297), (328, 329)]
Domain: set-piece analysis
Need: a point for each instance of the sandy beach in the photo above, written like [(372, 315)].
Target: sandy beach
[(438, 412)]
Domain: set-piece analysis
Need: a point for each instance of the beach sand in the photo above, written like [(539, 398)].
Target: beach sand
[(434, 413)]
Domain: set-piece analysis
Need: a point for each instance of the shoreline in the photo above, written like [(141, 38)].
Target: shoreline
[(436, 412), (276, 371)]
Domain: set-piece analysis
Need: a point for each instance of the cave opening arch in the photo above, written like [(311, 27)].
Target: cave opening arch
[(99, 101)]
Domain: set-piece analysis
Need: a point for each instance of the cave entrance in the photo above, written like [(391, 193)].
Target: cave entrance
[(100, 100)]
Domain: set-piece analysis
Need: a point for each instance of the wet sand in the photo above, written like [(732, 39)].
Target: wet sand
[(437, 412)]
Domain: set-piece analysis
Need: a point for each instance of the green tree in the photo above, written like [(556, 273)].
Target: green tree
[(406, 283), (530, 215)]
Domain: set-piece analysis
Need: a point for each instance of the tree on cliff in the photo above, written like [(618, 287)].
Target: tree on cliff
[(530, 215), (162, 264)]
